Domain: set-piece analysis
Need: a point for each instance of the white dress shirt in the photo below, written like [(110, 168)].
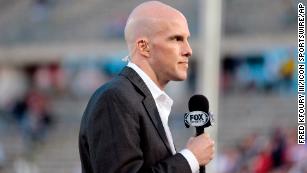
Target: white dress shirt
[(164, 104)]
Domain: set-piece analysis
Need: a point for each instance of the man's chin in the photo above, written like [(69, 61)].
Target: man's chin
[(180, 78)]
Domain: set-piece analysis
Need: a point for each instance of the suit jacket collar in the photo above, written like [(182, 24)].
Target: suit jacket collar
[(148, 102)]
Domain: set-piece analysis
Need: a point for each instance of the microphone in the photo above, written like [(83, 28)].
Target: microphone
[(198, 117)]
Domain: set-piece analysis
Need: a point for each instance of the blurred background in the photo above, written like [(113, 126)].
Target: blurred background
[(54, 54)]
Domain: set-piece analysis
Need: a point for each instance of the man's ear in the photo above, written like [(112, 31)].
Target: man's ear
[(143, 47)]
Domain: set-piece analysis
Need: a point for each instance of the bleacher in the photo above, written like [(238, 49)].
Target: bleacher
[(23, 21)]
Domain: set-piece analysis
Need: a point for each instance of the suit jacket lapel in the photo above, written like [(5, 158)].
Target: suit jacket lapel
[(148, 103), (151, 108)]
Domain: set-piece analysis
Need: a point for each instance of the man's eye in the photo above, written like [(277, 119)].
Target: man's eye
[(177, 38)]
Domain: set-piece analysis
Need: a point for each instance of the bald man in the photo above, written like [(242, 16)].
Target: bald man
[(124, 128)]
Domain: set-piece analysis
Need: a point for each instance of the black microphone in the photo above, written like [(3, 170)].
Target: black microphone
[(198, 117)]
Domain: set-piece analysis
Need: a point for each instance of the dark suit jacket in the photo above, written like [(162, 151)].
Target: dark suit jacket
[(121, 131)]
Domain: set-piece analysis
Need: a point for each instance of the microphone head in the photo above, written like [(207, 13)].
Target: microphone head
[(199, 103)]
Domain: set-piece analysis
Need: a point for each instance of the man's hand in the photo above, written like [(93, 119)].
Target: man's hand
[(202, 147)]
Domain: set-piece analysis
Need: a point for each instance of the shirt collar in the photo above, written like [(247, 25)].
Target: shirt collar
[(154, 89)]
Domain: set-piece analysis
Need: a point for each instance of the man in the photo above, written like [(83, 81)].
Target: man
[(125, 125)]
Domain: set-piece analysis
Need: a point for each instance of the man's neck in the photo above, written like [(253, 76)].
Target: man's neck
[(152, 75)]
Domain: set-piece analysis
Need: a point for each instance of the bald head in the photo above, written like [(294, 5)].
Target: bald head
[(147, 19)]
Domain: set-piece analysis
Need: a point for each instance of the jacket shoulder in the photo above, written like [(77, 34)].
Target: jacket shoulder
[(117, 87)]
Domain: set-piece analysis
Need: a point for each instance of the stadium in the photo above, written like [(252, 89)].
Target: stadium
[(55, 54)]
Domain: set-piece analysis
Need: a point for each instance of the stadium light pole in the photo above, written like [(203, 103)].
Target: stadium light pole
[(210, 18)]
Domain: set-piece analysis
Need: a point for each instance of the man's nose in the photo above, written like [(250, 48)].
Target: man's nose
[(187, 50)]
